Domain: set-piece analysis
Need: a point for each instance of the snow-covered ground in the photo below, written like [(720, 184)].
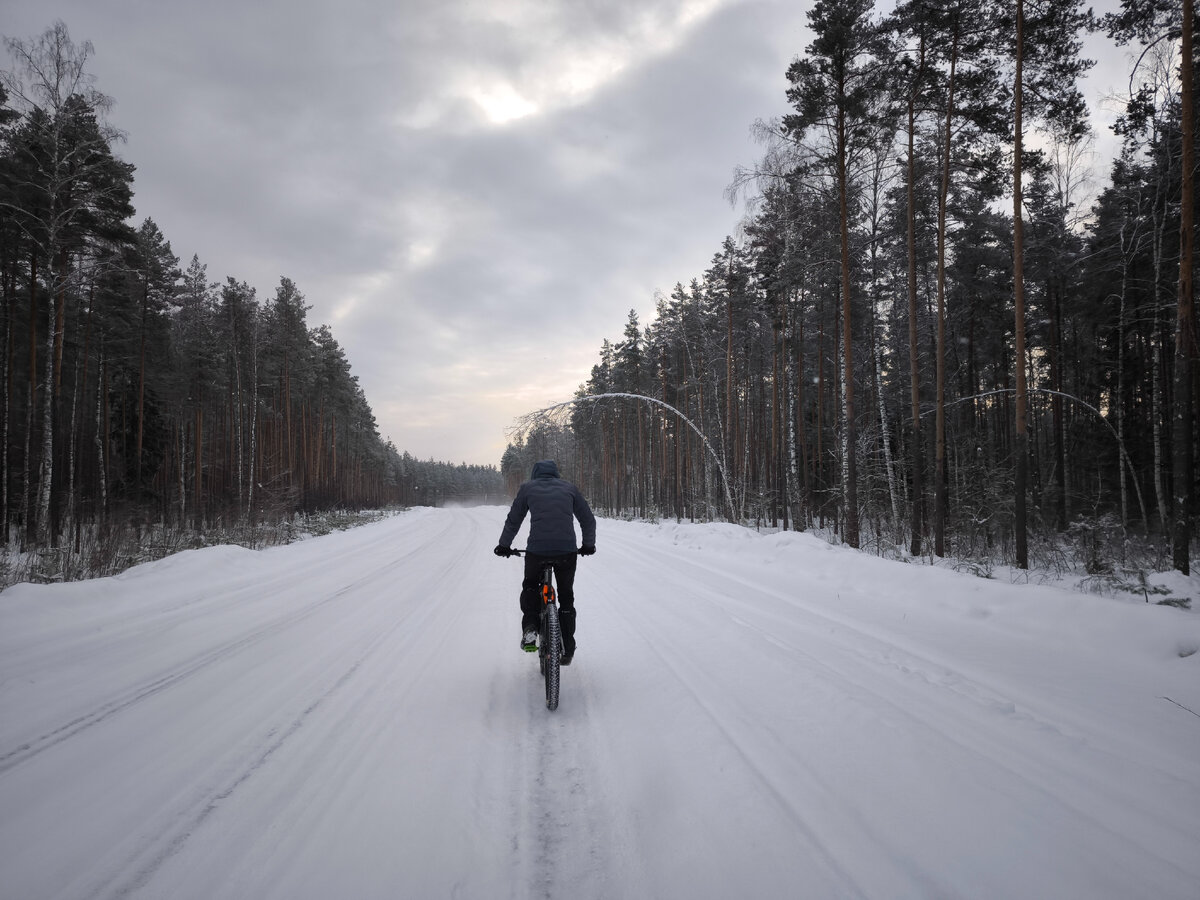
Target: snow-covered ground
[(747, 715)]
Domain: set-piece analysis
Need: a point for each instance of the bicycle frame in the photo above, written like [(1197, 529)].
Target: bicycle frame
[(550, 646), (548, 593)]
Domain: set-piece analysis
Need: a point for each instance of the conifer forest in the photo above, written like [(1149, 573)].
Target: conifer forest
[(141, 395), (933, 333), (927, 334)]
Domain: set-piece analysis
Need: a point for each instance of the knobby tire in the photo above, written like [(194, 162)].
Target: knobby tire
[(553, 655)]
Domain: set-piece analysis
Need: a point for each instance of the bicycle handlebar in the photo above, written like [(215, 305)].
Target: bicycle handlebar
[(513, 551)]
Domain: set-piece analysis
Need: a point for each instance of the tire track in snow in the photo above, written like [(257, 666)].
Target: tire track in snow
[(174, 843), (568, 838), (144, 862), (1082, 795), (227, 595), (851, 639), (685, 673), (994, 740), (572, 835), (30, 748)]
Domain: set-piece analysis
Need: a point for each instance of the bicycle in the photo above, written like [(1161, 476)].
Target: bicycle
[(550, 644)]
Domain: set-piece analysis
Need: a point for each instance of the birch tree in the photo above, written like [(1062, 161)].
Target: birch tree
[(67, 182)]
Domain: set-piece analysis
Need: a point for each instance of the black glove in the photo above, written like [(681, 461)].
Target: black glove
[(587, 550), (501, 550)]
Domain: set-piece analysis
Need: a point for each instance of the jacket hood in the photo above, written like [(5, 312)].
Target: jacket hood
[(547, 468)]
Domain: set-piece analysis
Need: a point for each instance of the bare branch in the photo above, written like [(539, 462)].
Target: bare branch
[(530, 421)]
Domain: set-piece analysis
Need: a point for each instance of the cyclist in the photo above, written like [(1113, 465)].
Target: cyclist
[(552, 504)]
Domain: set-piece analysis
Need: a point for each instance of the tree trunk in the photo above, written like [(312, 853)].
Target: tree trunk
[(804, 514), (775, 457), (851, 434), (889, 466), (101, 435), (1056, 405), (1118, 400), (78, 401), (941, 508), (914, 356), (27, 484), (820, 455), (181, 470), (45, 527), (1185, 331), (1021, 444), (1161, 342), (198, 469), (60, 318), (141, 415), (10, 290)]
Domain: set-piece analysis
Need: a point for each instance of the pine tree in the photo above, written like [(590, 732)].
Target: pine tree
[(1046, 66), (833, 90)]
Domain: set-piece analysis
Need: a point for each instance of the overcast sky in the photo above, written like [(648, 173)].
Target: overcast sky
[(472, 194)]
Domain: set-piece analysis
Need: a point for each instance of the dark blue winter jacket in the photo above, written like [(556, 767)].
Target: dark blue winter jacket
[(552, 504)]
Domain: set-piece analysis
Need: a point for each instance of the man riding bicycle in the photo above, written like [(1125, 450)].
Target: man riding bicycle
[(552, 504)]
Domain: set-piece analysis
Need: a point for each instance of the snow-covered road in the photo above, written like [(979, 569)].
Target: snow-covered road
[(351, 717)]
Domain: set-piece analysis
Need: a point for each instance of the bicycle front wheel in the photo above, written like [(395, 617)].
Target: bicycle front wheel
[(550, 662)]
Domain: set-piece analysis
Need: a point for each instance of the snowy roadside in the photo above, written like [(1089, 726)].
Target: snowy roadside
[(350, 716)]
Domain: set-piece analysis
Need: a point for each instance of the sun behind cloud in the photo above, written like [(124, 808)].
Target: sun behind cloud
[(527, 59), (501, 103)]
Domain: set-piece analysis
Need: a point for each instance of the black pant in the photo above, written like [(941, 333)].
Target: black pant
[(531, 594)]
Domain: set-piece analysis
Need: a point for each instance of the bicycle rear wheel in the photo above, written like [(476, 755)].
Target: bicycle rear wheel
[(553, 655)]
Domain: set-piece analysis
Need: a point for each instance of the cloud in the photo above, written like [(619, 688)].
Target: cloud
[(515, 59), (472, 193)]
